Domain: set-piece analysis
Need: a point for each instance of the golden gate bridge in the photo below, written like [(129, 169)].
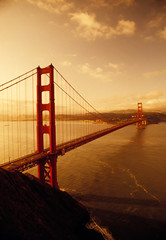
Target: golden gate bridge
[(42, 116)]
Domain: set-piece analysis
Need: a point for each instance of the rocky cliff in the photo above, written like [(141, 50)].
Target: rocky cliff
[(31, 210)]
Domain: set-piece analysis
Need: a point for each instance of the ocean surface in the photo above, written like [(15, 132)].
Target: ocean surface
[(120, 178), (121, 174)]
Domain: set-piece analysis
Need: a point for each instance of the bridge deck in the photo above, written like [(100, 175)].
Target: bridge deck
[(31, 160)]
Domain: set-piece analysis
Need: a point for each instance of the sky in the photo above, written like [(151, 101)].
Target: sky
[(112, 51)]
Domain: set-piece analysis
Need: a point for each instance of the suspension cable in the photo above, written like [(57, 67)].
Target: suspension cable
[(17, 82), (80, 95), (17, 78), (74, 99)]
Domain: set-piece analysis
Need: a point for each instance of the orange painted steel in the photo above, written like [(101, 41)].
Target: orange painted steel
[(139, 115), (47, 167)]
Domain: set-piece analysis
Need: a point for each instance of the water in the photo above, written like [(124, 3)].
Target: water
[(119, 176), (128, 163)]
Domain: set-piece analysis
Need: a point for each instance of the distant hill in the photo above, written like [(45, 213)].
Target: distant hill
[(151, 117), (113, 117)]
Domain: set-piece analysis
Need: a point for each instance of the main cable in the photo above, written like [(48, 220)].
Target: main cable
[(81, 95)]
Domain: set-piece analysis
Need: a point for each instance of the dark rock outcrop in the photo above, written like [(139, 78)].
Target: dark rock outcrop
[(31, 210)]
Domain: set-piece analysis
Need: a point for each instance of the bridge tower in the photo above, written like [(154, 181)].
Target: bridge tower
[(47, 167), (140, 116)]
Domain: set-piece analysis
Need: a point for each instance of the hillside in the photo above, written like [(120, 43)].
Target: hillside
[(30, 210), (151, 117)]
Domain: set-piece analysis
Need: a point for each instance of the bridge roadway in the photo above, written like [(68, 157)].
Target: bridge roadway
[(29, 161)]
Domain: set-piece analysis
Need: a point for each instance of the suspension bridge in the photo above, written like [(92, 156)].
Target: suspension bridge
[(42, 116)]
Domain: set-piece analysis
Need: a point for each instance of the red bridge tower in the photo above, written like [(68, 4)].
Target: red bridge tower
[(47, 169), (142, 122)]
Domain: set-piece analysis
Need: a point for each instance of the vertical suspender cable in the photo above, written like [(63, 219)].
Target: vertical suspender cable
[(7, 114), (26, 116), (3, 124), (12, 121), (17, 119), (33, 115)]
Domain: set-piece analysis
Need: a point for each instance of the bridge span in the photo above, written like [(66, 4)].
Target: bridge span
[(31, 160), (36, 105)]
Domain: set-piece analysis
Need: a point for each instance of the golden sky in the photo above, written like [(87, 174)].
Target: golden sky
[(112, 51)]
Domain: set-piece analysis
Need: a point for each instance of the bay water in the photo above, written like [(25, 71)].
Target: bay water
[(120, 174)]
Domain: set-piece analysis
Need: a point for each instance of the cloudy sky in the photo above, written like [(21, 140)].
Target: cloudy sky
[(112, 51)]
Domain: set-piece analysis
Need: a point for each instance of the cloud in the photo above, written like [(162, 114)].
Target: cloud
[(154, 100), (149, 38), (117, 102), (124, 2), (162, 33), (125, 27), (108, 4), (61, 6), (113, 65), (102, 74), (86, 25), (66, 64), (53, 6), (150, 96), (106, 73), (154, 73), (89, 28), (116, 69), (151, 100), (156, 22), (99, 3), (93, 72)]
